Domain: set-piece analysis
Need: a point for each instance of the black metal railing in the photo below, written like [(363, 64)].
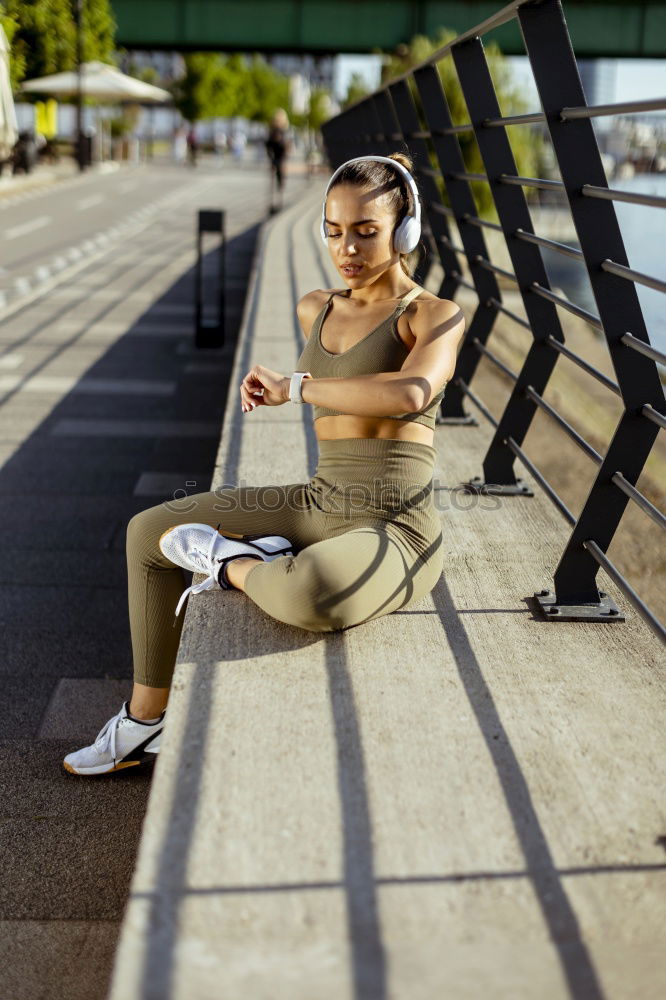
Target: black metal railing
[(413, 109)]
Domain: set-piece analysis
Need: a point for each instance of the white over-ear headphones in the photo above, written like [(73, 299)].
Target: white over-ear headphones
[(408, 233)]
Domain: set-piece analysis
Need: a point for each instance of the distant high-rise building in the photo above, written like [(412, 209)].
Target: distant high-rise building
[(318, 70), (597, 77)]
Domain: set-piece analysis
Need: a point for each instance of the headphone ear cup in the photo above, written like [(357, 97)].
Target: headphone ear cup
[(322, 225), (407, 235)]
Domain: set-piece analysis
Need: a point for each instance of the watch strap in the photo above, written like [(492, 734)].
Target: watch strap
[(295, 386)]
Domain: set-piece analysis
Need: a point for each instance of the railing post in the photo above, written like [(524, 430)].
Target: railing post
[(447, 150), (392, 134), (336, 134), (513, 213), (574, 143), (435, 222)]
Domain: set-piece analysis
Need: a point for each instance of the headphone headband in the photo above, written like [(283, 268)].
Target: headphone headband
[(408, 232)]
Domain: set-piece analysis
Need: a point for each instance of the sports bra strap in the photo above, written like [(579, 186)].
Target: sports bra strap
[(406, 299), (401, 306)]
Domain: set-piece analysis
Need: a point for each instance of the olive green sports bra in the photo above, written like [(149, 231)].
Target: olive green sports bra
[(381, 350)]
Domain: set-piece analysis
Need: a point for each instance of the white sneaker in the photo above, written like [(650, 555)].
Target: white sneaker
[(202, 549), (122, 742)]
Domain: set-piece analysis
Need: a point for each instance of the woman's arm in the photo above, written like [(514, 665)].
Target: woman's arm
[(437, 330)]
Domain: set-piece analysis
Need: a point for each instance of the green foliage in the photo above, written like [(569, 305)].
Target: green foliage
[(125, 122), (192, 93), (42, 35), (320, 105), (319, 110), (225, 86), (356, 89), (265, 90), (526, 142)]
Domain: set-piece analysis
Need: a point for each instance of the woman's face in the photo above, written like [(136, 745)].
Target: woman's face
[(360, 227)]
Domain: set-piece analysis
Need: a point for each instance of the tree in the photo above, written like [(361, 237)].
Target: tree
[(320, 108), (193, 93), (42, 35), (225, 86), (356, 89), (526, 142), (266, 90)]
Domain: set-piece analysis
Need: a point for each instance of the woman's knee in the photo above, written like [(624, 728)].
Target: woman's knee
[(139, 524), (317, 596), (144, 530)]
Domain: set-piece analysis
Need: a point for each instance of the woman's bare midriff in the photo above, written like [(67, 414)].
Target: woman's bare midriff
[(330, 427)]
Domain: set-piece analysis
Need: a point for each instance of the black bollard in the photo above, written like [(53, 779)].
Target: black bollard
[(209, 324)]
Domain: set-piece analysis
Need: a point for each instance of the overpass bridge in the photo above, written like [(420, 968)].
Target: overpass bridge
[(598, 28)]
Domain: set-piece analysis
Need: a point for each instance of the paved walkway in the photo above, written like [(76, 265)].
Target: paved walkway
[(106, 408), (459, 799)]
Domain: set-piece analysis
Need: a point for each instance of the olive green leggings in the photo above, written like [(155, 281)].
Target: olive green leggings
[(366, 538)]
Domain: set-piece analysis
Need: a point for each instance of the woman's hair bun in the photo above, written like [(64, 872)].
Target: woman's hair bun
[(403, 159)]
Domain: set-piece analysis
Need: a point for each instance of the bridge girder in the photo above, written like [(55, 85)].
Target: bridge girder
[(598, 28)]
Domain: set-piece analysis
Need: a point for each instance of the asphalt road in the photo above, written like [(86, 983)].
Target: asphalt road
[(106, 408)]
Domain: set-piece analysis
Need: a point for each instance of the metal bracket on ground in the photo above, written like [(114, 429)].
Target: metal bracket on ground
[(605, 610), (477, 485)]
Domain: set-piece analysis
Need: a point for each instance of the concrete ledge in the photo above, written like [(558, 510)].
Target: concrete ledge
[(456, 800)]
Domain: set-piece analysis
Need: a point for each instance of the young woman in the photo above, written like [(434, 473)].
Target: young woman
[(362, 537)]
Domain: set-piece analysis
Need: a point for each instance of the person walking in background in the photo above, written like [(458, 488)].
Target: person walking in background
[(180, 146), (237, 144), (277, 146), (220, 144), (192, 146)]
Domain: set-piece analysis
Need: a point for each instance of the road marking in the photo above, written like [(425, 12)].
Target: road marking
[(25, 295), (94, 199), (91, 427), (170, 309), (128, 186), (11, 360), (91, 386), (158, 330), (173, 484), (28, 227), (204, 368)]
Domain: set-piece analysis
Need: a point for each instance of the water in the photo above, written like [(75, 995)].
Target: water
[(643, 232)]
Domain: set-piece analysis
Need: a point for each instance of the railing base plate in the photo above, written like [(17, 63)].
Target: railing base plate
[(465, 421), (605, 611), (519, 488)]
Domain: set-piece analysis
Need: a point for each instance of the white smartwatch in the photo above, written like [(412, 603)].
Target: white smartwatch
[(295, 389)]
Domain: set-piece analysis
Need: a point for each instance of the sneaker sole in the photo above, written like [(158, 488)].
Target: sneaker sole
[(93, 771), (227, 534)]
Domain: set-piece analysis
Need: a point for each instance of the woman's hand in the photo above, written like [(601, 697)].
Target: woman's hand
[(263, 387)]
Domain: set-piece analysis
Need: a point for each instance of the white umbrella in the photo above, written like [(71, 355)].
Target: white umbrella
[(98, 80), (8, 123)]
